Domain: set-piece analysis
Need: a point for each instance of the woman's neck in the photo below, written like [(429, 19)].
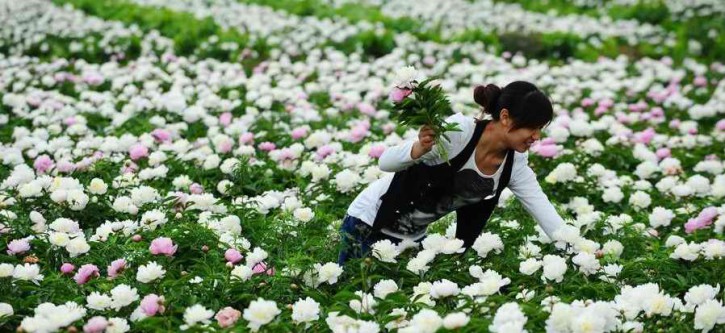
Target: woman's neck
[(492, 141)]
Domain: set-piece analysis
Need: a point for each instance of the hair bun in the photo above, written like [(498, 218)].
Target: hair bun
[(487, 97)]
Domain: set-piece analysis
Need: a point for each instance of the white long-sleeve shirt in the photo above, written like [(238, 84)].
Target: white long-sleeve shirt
[(523, 182)]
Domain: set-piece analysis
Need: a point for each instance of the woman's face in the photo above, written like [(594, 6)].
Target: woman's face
[(519, 139)]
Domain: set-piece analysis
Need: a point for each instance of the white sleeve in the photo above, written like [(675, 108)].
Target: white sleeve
[(398, 157), (524, 185)]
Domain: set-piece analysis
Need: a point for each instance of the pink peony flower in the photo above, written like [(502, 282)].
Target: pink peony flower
[(67, 268), (93, 78), (85, 273), (246, 138), (117, 266), (161, 135), (129, 167), (196, 188), (700, 81), (299, 132), (267, 146), (657, 112), (138, 151), (645, 136), (388, 128), (663, 153), (720, 125), (96, 324), (704, 219), (675, 123), (358, 133), (366, 108), (152, 304), (398, 95), (70, 121), (323, 151), (18, 246), (376, 151), (136, 238), (225, 119), (587, 102), (163, 245), (225, 146), (547, 151), (227, 316), (233, 256), (42, 163), (261, 268), (65, 166)]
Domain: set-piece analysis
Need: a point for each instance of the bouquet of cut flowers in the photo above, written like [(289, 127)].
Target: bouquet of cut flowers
[(422, 103)]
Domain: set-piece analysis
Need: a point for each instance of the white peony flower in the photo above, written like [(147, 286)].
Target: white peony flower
[(487, 242), (660, 217), (197, 314), (6, 310), (554, 268), (260, 312), (385, 251), (530, 266), (508, 318), (328, 273), (97, 186), (242, 272), (708, 314), (150, 272), (444, 288), (384, 287), (305, 310), (304, 214), (98, 301), (123, 295)]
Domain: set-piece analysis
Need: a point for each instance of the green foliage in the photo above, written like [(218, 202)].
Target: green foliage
[(427, 106)]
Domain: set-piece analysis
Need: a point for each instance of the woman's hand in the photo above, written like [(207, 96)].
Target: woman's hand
[(425, 142)]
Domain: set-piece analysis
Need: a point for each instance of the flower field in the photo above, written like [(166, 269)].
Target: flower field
[(170, 165)]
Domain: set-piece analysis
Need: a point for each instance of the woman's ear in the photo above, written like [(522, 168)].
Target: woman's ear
[(504, 118)]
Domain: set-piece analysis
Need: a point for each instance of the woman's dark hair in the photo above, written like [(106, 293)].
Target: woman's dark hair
[(527, 105)]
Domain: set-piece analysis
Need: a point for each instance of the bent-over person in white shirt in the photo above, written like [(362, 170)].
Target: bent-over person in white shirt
[(486, 156)]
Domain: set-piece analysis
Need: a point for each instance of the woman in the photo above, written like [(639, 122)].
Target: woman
[(485, 157)]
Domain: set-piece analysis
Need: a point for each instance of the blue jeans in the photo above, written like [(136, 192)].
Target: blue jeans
[(356, 238)]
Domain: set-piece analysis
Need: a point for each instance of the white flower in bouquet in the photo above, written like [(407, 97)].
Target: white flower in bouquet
[(405, 77)]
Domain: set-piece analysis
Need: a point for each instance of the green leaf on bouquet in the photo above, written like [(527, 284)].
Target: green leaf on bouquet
[(427, 105)]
